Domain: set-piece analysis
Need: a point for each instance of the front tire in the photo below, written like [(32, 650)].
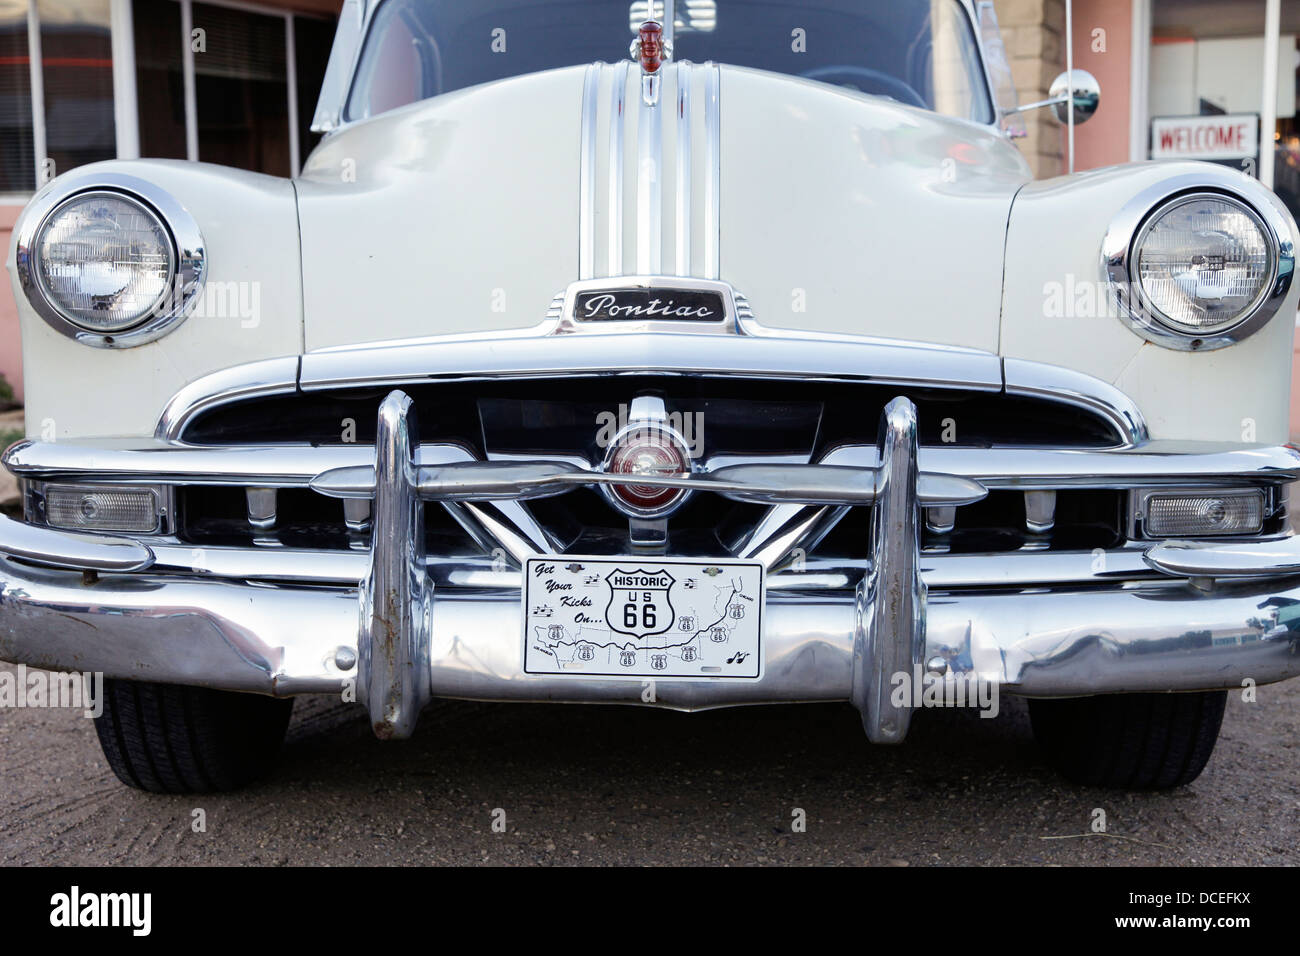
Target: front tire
[(1130, 741), (166, 738)]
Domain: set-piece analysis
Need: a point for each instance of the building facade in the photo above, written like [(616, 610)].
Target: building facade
[(231, 82), (85, 80)]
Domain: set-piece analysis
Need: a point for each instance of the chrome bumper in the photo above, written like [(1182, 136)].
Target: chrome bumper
[(285, 640), (1210, 622)]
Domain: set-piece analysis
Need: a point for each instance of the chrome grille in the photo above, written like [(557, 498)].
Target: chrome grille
[(740, 420)]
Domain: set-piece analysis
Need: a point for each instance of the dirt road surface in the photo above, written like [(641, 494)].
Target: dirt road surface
[(619, 785)]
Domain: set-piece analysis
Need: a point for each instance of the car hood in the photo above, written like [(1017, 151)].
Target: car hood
[(826, 209)]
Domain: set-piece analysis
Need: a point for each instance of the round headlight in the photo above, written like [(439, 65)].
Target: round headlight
[(104, 261), (110, 260), (1202, 264)]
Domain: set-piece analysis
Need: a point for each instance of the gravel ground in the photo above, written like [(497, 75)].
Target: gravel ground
[(618, 785)]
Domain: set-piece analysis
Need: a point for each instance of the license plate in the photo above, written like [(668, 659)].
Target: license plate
[(639, 618)]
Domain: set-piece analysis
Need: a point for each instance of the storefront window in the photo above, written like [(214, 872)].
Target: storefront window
[(17, 142), (240, 108), (77, 72), (159, 78), (242, 90)]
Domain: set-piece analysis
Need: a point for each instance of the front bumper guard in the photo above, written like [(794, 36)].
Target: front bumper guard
[(410, 645)]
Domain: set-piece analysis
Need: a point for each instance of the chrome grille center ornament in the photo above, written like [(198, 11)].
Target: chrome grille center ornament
[(648, 444)]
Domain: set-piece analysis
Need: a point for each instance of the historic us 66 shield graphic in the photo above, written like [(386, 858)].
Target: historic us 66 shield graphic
[(638, 602)]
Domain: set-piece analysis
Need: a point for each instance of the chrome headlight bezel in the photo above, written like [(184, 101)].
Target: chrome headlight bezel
[(1130, 226), (188, 256)]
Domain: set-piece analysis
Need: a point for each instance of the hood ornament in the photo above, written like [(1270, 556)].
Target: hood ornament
[(651, 48)]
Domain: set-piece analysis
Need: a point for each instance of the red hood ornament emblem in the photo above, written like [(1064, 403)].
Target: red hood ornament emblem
[(651, 49), (649, 46)]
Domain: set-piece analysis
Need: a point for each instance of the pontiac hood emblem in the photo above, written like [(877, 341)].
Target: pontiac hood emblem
[(613, 305)]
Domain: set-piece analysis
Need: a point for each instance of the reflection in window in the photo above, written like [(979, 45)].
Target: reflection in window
[(242, 90), (77, 70), (311, 44), (159, 79), (17, 156), (958, 86)]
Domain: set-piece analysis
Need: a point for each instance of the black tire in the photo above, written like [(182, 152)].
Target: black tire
[(165, 738), (1130, 741)]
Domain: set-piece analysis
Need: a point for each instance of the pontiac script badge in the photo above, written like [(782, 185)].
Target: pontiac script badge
[(644, 305)]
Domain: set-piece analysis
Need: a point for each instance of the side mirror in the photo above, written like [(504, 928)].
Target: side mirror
[(1086, 95)]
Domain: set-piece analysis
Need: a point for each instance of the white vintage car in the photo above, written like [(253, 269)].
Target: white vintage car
[(743, 364)]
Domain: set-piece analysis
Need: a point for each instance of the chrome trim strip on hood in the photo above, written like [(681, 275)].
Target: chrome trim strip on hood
[(587, 174), (713, 166), (682, 246), (646, 201), (649, 181), (618, 98)]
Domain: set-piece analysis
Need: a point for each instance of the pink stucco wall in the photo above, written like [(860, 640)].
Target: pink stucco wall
[(1103, 35), (11, 356)]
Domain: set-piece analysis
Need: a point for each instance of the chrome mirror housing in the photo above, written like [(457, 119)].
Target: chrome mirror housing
[(1086, 94)]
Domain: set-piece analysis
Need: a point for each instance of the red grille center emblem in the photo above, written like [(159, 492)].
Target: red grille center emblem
[(650, 450)]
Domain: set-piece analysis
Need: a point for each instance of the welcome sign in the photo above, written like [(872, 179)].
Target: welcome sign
[(1228, 136)]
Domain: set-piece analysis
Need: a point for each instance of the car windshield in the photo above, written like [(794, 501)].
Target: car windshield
[(919, 52)]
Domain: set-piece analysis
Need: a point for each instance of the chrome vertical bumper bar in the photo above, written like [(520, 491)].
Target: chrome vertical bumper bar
[(396, 597), (890, 623)]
